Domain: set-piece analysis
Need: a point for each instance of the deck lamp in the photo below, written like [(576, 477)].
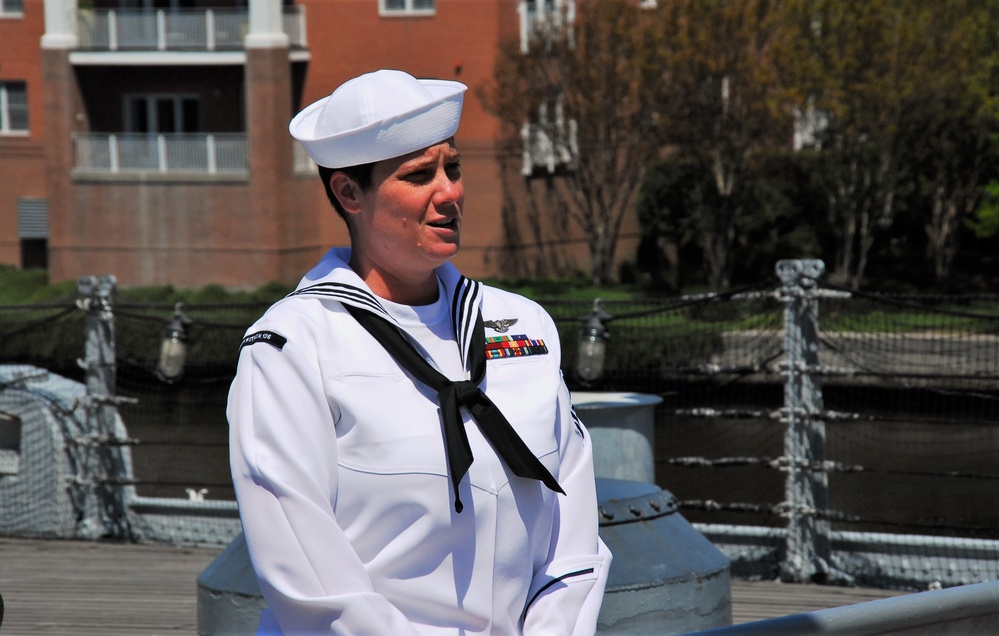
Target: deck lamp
[(173, 349), (592, 349)]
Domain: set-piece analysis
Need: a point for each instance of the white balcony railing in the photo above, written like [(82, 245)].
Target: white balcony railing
[(219, 153), (176, 30)]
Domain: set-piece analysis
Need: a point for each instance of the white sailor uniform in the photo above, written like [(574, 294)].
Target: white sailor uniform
[(341, 475)]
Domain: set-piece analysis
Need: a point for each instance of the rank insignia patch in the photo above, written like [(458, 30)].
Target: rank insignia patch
[(513, 346), (502, 325)]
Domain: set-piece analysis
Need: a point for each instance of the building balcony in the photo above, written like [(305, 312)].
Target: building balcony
[(211, 156), (177, 30)]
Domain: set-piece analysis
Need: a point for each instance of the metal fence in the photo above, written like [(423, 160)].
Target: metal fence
[(859, 452), (859, 448)]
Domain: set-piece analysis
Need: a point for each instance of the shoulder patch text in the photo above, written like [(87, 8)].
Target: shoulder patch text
[(274, 339)]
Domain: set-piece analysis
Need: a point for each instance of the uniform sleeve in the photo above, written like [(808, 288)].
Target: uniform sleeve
[(566, 594), (283, 455)]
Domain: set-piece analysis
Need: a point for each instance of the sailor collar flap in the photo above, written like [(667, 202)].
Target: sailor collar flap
[(464, 301)]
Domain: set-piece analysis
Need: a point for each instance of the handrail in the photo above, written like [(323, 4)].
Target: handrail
[(955, 610), (205, 153), (175, 30)]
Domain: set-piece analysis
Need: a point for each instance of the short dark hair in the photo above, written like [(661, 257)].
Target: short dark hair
[(361, 174)]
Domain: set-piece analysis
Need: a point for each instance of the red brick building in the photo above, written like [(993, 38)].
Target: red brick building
[(148, 138)]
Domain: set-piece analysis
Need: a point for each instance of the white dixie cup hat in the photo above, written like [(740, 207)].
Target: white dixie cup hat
[(378, 116)]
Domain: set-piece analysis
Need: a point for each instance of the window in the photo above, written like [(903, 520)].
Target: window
[(809, 124), (162, 114), (407, 7), (33, 232), (150, 5), (550, 144), (12, 8), (13, 107), (543, 18)]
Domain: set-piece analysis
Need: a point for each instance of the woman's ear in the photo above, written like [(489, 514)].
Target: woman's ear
[(346, 191)]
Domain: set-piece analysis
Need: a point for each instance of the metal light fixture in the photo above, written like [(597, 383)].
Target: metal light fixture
[(592, 349), (173, 349)]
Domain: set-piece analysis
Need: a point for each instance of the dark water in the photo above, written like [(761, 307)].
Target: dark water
[(918, 478), (931, 476), (183, 441)]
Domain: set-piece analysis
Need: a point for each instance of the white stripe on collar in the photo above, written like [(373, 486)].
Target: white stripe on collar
[(333, 278)]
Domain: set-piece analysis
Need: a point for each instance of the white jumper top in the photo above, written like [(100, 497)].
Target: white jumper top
[(340, 472)]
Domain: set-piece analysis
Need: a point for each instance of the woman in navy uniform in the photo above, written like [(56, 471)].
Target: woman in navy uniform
[(404, 450)]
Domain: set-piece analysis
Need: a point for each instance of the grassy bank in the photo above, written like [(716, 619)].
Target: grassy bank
[(24, 287)]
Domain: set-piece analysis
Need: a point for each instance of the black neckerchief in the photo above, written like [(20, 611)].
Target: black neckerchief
[(452, 396)]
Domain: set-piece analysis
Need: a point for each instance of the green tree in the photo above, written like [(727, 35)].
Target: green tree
[(950, 123), (986, 220), (891, 82), (674, 193), (983, 83), (723, 99), (861, 73)]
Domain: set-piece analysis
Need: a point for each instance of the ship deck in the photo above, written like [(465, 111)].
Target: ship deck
[(100, 588)]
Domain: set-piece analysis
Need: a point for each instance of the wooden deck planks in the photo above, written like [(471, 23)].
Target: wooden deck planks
[(757, 600), (99, 588), (80, 588)]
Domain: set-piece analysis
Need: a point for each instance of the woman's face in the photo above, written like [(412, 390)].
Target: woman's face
[(409, 221)]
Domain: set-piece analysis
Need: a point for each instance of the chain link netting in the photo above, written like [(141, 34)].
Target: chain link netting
[(910, 386)]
